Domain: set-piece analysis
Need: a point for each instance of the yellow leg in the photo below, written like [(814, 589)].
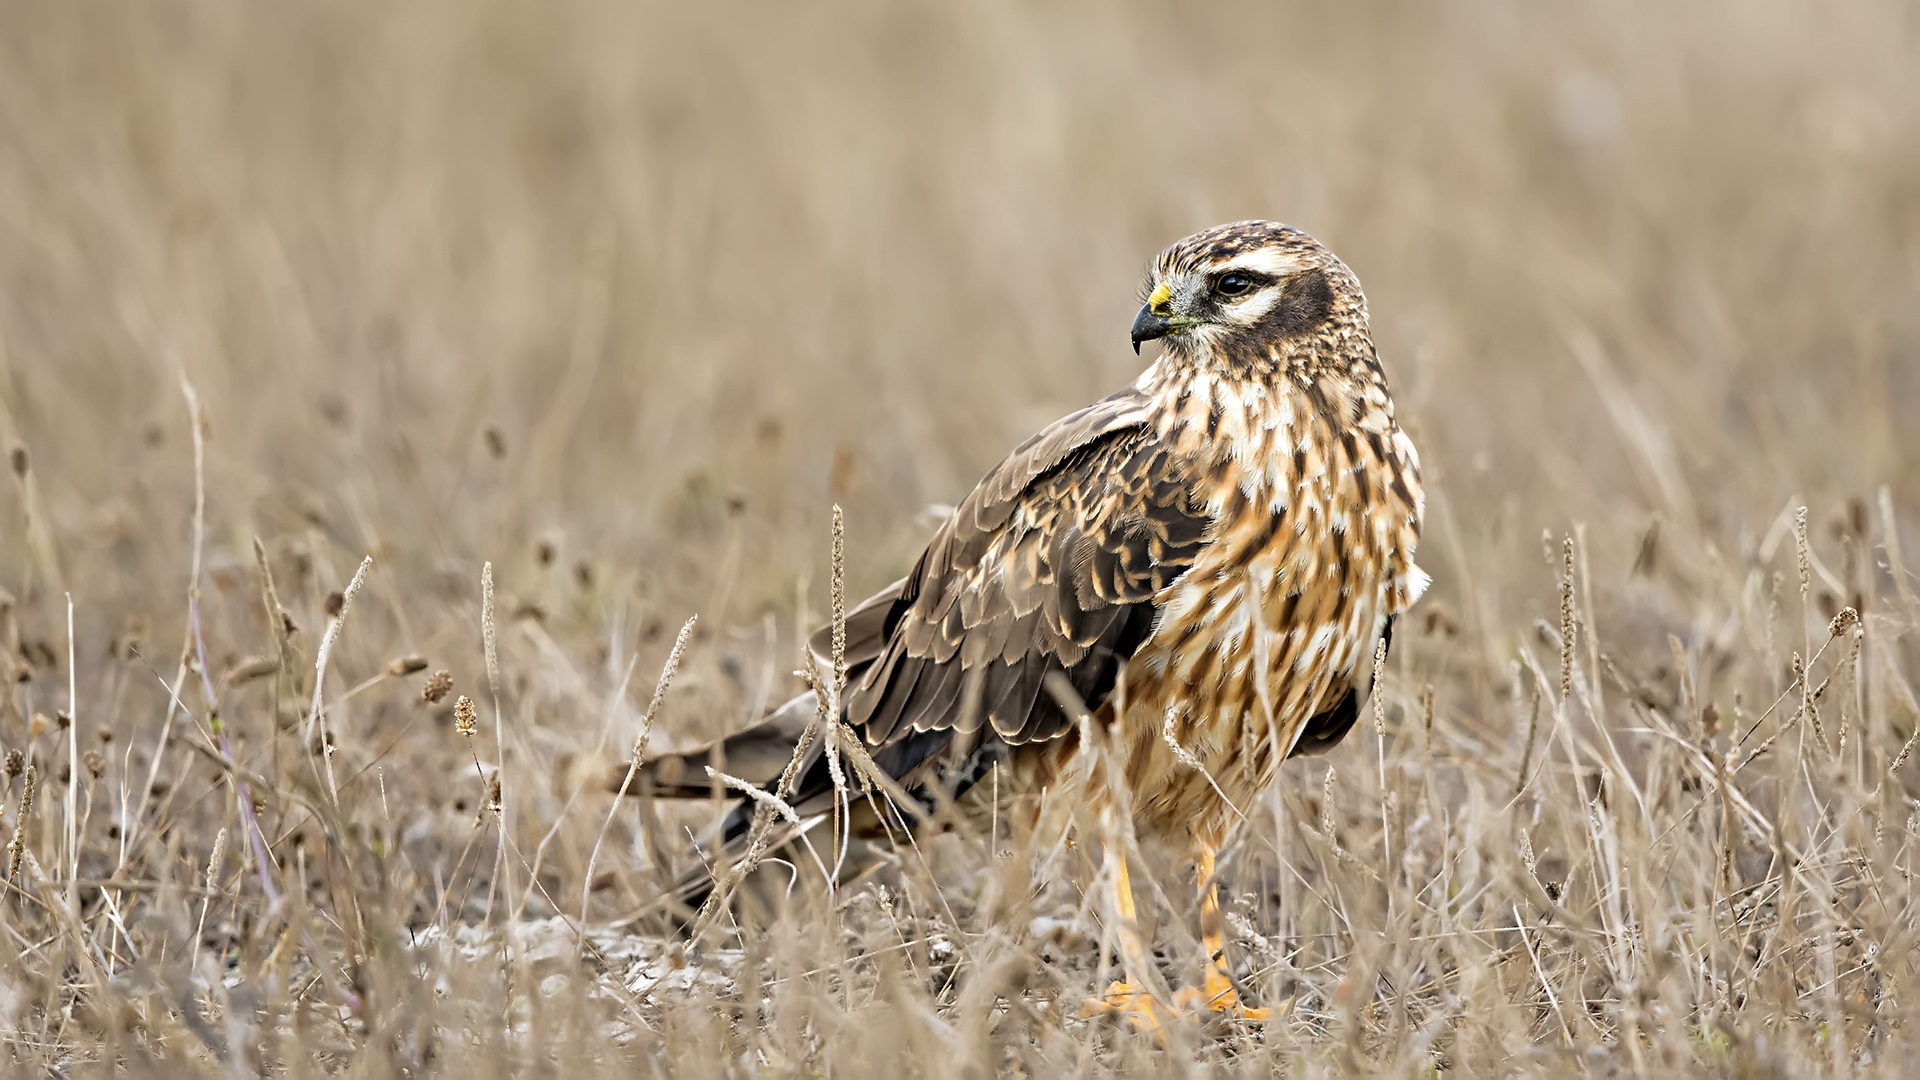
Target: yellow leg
[(1127, 996), (1218, 994)]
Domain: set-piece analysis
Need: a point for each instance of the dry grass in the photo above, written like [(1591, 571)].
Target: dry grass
[(623, 300)]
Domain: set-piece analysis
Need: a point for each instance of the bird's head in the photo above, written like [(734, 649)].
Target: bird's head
[(1254, 292)]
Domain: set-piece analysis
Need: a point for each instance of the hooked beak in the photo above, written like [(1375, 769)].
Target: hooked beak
[(1157, 318), (1147, 327)]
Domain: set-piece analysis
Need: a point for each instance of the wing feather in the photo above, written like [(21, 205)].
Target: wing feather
[(1051, 564), (886, 710)]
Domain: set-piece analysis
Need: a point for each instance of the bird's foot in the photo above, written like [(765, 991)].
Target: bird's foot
[(1219, 996), (1126, 999)]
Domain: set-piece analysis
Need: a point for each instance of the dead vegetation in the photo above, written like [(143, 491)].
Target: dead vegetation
[(382, 387)]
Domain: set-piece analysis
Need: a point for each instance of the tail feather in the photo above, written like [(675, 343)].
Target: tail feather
[(757, 755), (760, 753)]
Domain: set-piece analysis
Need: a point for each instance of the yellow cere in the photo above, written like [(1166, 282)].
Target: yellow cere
[(1157, 302)]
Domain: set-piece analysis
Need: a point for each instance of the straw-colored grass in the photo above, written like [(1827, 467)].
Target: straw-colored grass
[(607, 306)]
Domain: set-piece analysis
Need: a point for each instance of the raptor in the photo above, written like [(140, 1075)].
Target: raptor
[(1190, 577)]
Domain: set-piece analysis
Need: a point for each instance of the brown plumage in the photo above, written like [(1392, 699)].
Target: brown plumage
[(1219, 546)]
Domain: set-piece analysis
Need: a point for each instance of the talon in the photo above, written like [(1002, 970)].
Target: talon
[(1125, 999), (1220, 997)]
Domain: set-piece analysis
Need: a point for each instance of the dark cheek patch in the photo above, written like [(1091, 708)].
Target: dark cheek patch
[(1302, 306)]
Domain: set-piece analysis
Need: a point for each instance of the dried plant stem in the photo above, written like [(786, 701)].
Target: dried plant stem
[(315, 716), (223, 755), (73, 772), (213, 884), (754, 792), (464, 723), (763, 819), (824, 724), (1905, 751), (839, 597), (1326, 804), (197, 422), (489, 641), (1791, 687), (502, 881), (1852, 665), (1526, 748), (667, 672), (1594, 688), (1186, 757), (1378, 708), (1808, 707), (1803, 553), (243, 796), (197, 427), (280, 626), (842, 800)]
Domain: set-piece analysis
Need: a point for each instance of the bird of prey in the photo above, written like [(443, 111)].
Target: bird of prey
[(1204, 562)]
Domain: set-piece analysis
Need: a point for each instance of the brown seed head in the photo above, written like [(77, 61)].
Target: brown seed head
[(16, 763), (1379, 668), (96, 763), (1326, 804), (19, 461), (1801, 550), (1568, 626), (19, 845), (493, 793), (463, 716), (336, 603), (407, 665), (214, 859), (437, 686), (63, 718), (1843, 620), (37, 726)]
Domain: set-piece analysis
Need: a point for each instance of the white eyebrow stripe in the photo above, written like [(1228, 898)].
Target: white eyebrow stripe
[(1273, 262)]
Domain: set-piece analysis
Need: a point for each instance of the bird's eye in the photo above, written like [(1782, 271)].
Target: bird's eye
[(1233, 285)]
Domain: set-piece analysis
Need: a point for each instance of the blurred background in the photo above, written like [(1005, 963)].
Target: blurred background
[(625, 297)]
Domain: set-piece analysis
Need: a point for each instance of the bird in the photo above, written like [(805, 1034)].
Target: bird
[(1148, 605)]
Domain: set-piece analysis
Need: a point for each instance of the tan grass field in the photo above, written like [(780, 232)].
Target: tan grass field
[(623, 299)]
